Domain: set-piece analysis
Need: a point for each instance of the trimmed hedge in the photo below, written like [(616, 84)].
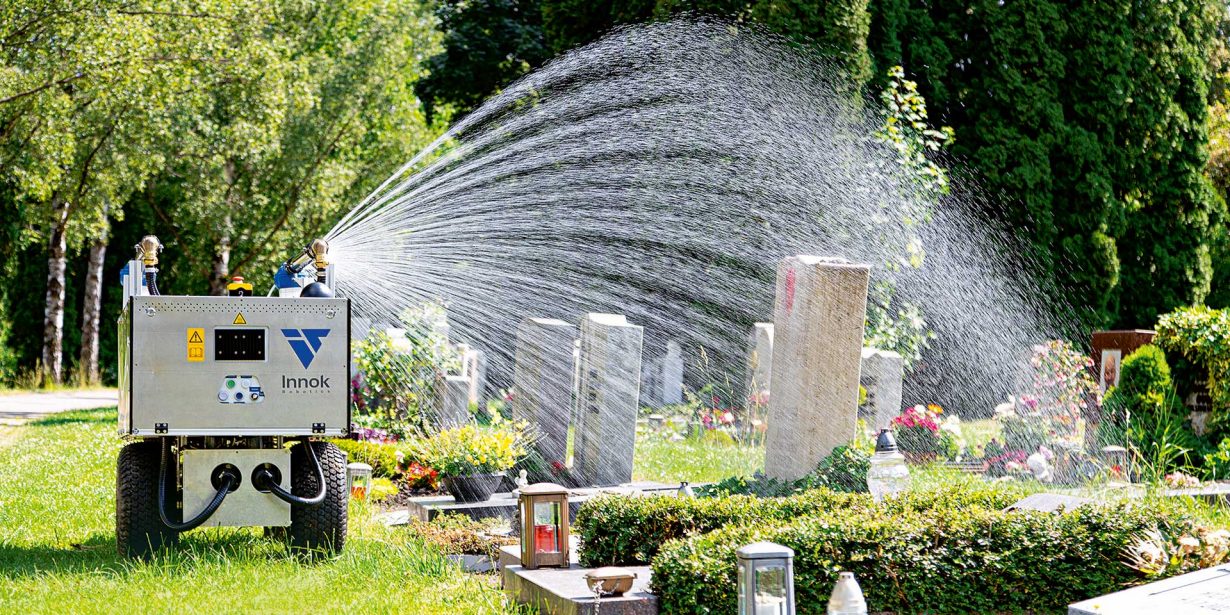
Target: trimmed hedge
[(628, 531), (945, 560)]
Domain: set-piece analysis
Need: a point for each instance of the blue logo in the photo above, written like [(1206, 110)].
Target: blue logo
[(305, 343)]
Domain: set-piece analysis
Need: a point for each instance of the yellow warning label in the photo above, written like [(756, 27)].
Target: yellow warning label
[(196, 345), (239, 319)]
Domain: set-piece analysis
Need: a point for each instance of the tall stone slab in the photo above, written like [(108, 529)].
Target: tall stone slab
[(543, 374), (672, 375), (454, 400), (817, 345), (474, 367), (882, 374), (608, 399), (759, 364)]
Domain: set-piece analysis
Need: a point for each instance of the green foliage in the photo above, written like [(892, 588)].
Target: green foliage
[(397, 377), (1146, 415), (487, 44), (1091, 118), (844, 469), (1202, 336), (625, 530), (946, 559), (381, 457)]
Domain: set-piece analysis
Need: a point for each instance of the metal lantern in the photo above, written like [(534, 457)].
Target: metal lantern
[(766, 579), (359, 480), (544, 526), (888, 474), (1119, 462)]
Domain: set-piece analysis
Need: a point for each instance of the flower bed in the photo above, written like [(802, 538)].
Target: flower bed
[(942, 560)]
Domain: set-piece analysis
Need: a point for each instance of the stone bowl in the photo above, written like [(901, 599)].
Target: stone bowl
[(609, 581)]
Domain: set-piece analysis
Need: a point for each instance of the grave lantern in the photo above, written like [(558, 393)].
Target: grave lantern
[(888, 474), (766, 579), (544, 526), (359, 480)]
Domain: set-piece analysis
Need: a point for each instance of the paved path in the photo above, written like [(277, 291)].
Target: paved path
[(19, 408)]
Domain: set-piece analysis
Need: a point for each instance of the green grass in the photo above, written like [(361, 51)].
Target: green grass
[(57, 548), (692, 460)]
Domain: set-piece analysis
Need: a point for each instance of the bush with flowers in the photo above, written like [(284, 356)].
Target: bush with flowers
[(919, 435), (472, 449)]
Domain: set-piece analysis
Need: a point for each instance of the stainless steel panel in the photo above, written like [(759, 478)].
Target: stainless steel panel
[(245, 506), (303, 381), (124, 350)]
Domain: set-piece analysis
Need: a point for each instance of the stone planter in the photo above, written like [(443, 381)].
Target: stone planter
[(474, 487)]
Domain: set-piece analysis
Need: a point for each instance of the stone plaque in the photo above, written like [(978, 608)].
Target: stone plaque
[(1111, 347), (1049, 502), (1204, 592)]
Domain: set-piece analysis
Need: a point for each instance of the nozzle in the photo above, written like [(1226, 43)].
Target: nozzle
[(148, 250), (319, 250)]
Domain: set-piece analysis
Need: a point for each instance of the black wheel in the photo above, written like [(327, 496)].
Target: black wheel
[(139, 532), (321, 528)]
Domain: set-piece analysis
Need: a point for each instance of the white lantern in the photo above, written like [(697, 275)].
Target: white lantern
[(847, 597), (766, 579), (888, 474)]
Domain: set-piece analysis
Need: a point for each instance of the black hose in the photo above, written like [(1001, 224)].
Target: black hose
[(151, 281), (228, 479), (264, 479)]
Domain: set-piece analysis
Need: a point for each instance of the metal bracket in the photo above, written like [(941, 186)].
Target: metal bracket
[(160, 428), (318, 428)]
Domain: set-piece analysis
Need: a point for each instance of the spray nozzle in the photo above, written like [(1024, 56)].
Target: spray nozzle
[(318, 250), (148, 249)]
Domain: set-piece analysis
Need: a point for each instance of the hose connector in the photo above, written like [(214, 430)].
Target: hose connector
[(148, 250)]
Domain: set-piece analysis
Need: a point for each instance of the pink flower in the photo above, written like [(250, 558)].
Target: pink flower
[(727, 418)]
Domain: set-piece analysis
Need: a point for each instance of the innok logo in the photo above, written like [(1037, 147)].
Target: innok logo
[(305, 342)]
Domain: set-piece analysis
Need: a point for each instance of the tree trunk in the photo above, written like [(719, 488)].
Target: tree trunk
[(53, 317), (88, 363), (222, 262)]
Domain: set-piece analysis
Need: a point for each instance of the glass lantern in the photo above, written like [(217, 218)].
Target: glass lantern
[(544, 526), (888, 474), (359, 480), (766, 579)]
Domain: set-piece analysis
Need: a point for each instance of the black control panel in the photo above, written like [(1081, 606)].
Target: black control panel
[(239, 344)]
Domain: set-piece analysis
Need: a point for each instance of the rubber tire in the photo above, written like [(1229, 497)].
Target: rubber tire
[(139, 531), (321, 529)]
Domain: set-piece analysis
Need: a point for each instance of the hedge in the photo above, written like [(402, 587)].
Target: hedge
[(628, 531), (945, 560)]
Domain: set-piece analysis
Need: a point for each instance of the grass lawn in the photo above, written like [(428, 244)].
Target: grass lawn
[(57, 548), (693, 460)]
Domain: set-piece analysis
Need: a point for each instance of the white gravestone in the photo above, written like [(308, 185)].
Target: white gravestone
[(881, 374), (759, 364), (1204, 592), (607, 400), (454, 399), (543, 374), (672, 375), (818, 321)]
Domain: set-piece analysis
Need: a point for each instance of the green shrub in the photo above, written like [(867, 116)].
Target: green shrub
[(943, 560), (1202, 336), (628, 530), (381, 457), (844, 469), (1144, 413)]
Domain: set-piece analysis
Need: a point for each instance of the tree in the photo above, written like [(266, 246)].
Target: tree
[(84, 100), (1087, 121), (488, 44)]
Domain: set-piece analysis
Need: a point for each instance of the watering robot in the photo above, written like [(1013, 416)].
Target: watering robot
[(225, 402)]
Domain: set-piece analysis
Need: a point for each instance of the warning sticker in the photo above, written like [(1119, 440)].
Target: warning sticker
[(239, 319), (196, 345)]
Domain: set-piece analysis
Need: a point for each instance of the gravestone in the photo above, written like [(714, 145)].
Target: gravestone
[(1204, 592), (607, 399), (759, 364), (474, 367), (543, 373), (818, 321), (1049, 502), (881, 374), (1110, 348), (662, 378), (454, 400), (672, 375)]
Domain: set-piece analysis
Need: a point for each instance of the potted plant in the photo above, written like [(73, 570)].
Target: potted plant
[(472, 460), (918, 434)]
